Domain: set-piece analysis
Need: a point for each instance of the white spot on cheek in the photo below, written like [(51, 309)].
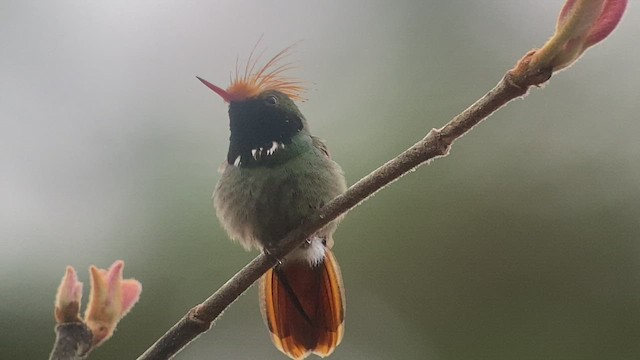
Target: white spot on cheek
[(274, 147), (237, 162), (253, 153)]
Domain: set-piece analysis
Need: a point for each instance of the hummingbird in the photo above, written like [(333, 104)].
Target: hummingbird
[(275, 176)]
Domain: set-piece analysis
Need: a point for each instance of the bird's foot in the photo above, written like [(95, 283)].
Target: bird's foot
[(269, 250)]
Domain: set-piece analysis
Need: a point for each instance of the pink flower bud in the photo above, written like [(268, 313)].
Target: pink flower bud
[(67, 305), (110, 300), (581, 24)]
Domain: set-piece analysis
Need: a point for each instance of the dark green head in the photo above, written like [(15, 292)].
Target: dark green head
[(259, 122), (263, 117)]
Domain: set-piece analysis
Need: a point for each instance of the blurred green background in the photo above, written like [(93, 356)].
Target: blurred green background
[(524, 243)]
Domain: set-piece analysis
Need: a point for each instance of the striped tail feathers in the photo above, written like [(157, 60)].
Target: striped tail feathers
[(303, 307)]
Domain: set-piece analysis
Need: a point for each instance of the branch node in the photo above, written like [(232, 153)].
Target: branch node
[(198, 318), (525, 74), (440, 143)]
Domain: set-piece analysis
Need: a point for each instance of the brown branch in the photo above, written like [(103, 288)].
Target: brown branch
[(73, 341), (437, 143)]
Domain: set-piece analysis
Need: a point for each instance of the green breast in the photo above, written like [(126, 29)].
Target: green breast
[(259, 204)]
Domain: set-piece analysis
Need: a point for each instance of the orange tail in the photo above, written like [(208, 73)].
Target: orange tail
[(303, 307)]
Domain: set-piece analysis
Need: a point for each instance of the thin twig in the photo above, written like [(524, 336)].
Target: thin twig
[(73, 341), (436, 144)]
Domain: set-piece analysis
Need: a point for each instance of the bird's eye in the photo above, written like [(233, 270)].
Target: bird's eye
[(271, 100)]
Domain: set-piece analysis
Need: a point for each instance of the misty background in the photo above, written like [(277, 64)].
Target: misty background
[(524, 243)]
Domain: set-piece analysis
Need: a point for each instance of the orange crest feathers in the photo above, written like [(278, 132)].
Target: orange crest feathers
[(269, 77)]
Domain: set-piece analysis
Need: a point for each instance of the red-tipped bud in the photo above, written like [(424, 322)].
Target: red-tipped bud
[(67, 306), (581, 24)]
